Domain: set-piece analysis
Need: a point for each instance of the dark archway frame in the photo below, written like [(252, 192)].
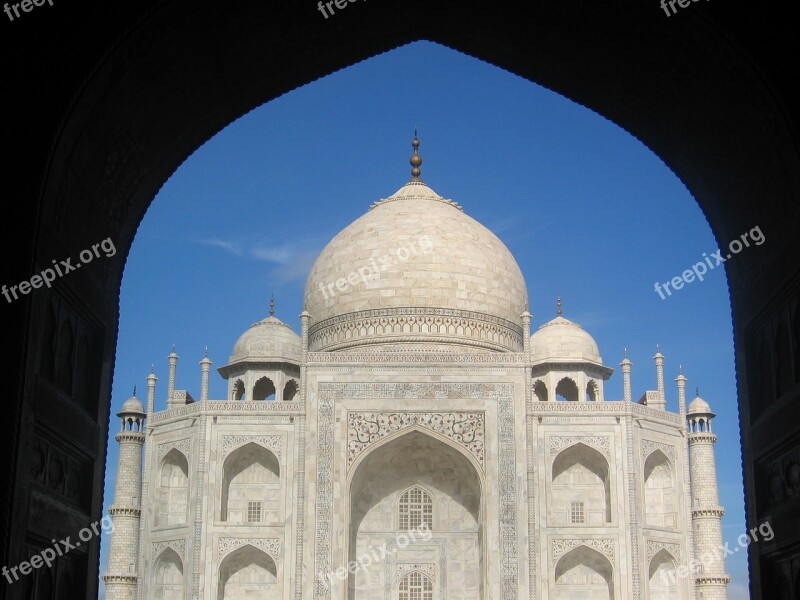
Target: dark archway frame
[(150, 83)]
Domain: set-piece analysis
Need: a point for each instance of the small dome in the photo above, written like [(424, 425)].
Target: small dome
[(561, 339), (699, 406), (132, 406), (270, 340)]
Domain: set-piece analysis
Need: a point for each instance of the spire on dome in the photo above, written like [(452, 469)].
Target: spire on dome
[(416, 159), (559, 312), (272, 305)]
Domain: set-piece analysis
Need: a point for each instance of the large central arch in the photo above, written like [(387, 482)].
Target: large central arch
[(409, 483)]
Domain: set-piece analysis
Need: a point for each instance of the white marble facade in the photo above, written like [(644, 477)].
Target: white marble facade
[(414, 441)]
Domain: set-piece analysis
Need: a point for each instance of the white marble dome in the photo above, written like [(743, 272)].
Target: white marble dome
[(561, 339), (269, 340), (415, 269)]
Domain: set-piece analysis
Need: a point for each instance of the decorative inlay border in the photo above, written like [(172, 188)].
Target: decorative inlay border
[(421, 357), (507, 482), (271, 442), (271, 546), (604, 546), (601, 443), (365, 428), (199, 522), (389, 565), (421, 391), (649, 446), (179, 546), (300, 528), (655, 546), (415, 324), (324, 504), (184, 446)]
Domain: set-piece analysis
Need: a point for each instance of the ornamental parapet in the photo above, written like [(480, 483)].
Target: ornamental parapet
[(702, 438), (130, 436), (711, 511), (124, 579), (226, 407), (124, 511), (611, 408)]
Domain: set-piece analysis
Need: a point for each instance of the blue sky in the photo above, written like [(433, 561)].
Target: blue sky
[(589, 212)]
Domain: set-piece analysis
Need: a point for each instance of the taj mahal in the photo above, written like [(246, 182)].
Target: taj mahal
[(416, 438)]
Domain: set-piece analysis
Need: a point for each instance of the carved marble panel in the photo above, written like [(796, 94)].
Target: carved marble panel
[(365, 428), (274, 443), (604, 546), (226, 545), (601, 443)]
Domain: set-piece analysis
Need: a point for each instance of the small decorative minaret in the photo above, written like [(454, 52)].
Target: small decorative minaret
[(173, 366), (626, 377), (151, 392), (661, 402), (525, 317), (121, 575), (711, 579), (205, 367)]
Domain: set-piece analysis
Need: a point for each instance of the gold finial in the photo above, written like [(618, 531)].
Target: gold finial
[(416, 159), (272, 305), (559, 312)]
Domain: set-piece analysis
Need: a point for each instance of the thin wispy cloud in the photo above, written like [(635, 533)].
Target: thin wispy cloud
[(291, 260), (230, 247), (280, 254), (274, 254)]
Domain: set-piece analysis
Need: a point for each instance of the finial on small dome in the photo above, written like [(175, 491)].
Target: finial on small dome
[(680, 369), (559, 312), (173, 348), (625, 352), (206, 354), (697, 392), (134, 390), (152, 369), (416, 159), (272, 305)]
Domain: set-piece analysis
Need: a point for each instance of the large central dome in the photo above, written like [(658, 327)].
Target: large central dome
[(415, 270)]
